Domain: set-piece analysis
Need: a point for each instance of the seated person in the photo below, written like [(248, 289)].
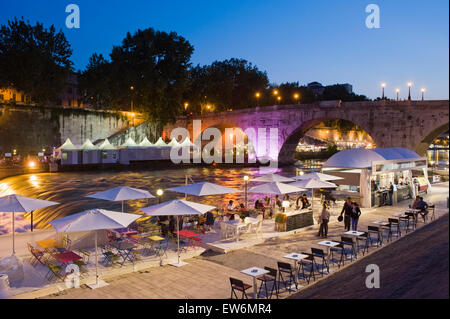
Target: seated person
[(209, 223), (423, 206), (416, 201), (231, 206), (304, 201), (278, 202), (243, 210), (259, 205), (286, 197)]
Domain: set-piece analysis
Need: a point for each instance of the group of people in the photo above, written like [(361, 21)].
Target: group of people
[(421, 206), (350, 214)]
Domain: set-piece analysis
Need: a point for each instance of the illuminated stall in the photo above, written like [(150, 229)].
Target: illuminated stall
[(368, 173)]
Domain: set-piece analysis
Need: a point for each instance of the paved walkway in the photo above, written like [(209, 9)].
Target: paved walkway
[(208, 276)]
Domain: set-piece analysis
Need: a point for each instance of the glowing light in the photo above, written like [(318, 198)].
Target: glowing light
[(131, 88), (133, 114), (383, 85), (159, 192), (397, 90), (423, 90), (285, 204), (31, 164), (275, 92), (409, 84), (258, 95), (246, 178)]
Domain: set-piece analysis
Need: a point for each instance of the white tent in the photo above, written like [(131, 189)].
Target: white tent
[(270, 178), (145, 143), (275, 188), (187, 143), (108, 152), (90, 153), (67, 153), (177, 207), (129, 143), (317, 176), (20, 204), (121, 194), (174, 143), (93, 220), (160, 143)]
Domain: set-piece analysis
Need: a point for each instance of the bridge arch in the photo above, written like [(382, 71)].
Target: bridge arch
[(289, 144), (422, 147)]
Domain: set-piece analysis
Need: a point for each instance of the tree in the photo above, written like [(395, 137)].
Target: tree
[(289, 90), (339, 92), (34, 59), (153, 63), (228, 84)]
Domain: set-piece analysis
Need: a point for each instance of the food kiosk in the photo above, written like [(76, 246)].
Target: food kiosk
[(368, 173)]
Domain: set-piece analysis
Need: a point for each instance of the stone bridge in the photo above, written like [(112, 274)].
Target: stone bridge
[(410, 124)]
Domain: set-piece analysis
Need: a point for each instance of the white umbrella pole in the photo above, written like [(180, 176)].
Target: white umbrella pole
[(13, 231), (122, 206), (178, 238), (96, 260)]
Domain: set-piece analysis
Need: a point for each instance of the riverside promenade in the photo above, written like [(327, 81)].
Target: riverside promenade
[(207, 276)]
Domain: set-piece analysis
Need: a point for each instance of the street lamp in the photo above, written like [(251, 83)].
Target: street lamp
[(423, 93), (186, 105), (279, 99), (383, 85), (246, 178), (397, 91), (409, 91), (296, 97), (159, 193), (132, 103), (257, 95)]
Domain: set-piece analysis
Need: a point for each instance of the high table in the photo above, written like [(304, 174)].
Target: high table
[(188, 235), (67, 257), (329, 244), (296, 257), (255, 272)]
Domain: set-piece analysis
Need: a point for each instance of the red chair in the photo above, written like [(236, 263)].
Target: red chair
[(238, 285)]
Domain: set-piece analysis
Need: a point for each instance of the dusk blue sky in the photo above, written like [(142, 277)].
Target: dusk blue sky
[(293, 40)]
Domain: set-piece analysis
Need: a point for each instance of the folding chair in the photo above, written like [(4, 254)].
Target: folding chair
[(161, 249), (375, 231), (338, 249), (348, 241), (109, 256), (238, 285), (319, 253), (405, 220), (412, 221), (270, 277), (307, 263), (432, 209), (393, 223), (365, 238), (286, 269)]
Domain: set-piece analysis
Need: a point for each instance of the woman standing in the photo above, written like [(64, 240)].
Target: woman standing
[(324, 217), (356, 212)]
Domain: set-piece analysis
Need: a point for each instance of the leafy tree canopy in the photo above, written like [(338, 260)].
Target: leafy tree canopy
[(34, 59)]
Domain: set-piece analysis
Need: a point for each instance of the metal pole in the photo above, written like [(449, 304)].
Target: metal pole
[(178, 238), (14, 249), (122, 206), (31, 216), (96, 260)]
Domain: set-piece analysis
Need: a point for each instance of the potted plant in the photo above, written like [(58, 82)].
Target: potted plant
[(280, 222)]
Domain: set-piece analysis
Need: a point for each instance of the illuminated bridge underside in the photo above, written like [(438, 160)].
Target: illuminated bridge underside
[(409, 124)]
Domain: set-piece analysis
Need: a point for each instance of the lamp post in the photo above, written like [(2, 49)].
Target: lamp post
[(383, 85), (132, 103), (159, 193), (409, 91), (186, 105), (397, 91), (279, 99), (296, 97), (423, 93), (257, 95), (246, 178)]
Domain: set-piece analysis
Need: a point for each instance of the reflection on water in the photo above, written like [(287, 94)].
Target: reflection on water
[(70, 189)]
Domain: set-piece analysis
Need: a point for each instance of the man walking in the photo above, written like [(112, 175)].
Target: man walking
[(347, 212), (391, 193)]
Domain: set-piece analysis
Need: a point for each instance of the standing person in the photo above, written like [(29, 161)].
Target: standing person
[(347, 212), (324, 217), (356, 212), (209, 223), (391, 193)]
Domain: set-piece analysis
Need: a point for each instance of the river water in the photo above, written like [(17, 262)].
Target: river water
[(70, 189)]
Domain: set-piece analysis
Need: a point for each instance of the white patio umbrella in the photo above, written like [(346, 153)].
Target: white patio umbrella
[(122, 193), (21, 204), (93, 220), (270, 178), (317, 176), (275, 188), (204, 189), (313, 184), (177, 207)]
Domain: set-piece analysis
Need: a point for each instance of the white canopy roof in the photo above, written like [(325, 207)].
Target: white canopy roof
[(177, 207), (272, 178), (122, 193), (275, 188), (145, 143), (363, 158), (94, 219), (68, 146), (174, 143), (21, 204), (204, 189), (88, 146), (313, 184), (129, 143), (318, 176), (106, 146), (160, 143), (187, 142)]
